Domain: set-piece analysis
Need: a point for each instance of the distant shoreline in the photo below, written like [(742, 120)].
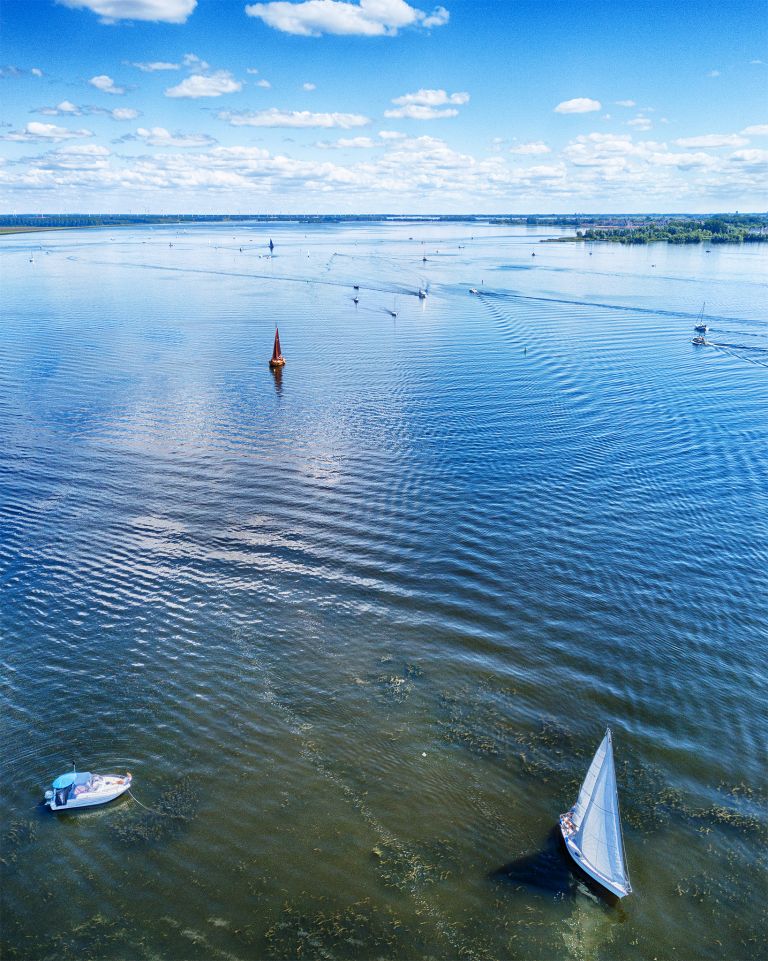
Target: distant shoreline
[(631, 229)]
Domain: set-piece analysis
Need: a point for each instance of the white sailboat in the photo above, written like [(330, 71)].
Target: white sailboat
[(592, 828)]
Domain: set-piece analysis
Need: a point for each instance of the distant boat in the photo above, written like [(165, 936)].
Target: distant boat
[(355, 300), (277, 359), (592, 828), (271, 245), (700, 340), (701, 327), (474, 290), (356, 287), (84, 790), (422, 294)]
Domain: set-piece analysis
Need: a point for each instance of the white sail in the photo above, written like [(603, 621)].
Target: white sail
[(597, 826)]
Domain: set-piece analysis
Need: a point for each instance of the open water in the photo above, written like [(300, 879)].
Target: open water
[(356, 630)]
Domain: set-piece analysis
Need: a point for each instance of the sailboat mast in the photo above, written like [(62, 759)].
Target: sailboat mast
[(618, 808)]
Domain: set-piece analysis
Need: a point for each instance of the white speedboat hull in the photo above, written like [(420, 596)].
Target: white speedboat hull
[(106, 788)]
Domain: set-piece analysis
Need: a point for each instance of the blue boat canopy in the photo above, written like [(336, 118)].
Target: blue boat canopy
[(67, 780)]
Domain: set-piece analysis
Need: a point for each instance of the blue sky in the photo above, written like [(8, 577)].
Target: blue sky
[(488, 106)]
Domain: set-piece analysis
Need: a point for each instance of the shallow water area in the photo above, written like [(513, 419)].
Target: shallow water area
[(357, 627)]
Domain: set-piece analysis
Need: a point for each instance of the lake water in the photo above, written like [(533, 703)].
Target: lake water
[(357, 630)]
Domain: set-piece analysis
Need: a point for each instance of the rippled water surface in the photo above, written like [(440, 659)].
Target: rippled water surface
[(357, 629)]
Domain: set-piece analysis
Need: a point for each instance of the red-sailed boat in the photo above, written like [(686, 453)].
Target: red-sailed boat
[(277, 359)]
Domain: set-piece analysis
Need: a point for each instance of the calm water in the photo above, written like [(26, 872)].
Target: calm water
[(357, 630)]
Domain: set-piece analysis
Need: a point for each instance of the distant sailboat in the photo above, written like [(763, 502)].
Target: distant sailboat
[(701, 327), (592, 828), (277, 359), (271, 245)]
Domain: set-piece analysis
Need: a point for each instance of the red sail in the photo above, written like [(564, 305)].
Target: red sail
[(276, 352)]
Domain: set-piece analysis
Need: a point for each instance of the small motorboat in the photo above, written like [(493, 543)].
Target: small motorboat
[(592, 828), (474, 290), (277, 359), (699, 340), (356, 287), (355, 300), (82, 790), (422, 294)]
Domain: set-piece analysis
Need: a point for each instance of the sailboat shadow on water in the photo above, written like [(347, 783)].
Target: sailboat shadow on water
[(551, 870)]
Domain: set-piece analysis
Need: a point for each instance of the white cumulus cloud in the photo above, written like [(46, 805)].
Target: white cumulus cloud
[(750, 158), (578, 105), (160, 137), (36, 131), (640, 123), (427, 104), (345, 142), (756, 130), (531, 149), (152, 66), (368, 18), (309, 86), (625, 103), (124, 113), (68, 109), (159, 11), (263, 83), (105, 84), (205, 85), (294, 118), (713, 140), (431, 98), (36, 72), (414, 111), (194, 63), (65, 107), (78, 158)]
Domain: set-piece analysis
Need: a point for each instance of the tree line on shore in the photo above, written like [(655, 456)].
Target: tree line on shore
[(723, 229)]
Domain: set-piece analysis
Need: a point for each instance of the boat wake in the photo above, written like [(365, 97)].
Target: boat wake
[(737, 351)]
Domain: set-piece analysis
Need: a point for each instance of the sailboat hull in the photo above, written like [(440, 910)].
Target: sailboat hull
[(621, 891)]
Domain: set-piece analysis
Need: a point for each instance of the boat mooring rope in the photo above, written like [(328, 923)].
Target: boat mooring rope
[(162, 814)]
